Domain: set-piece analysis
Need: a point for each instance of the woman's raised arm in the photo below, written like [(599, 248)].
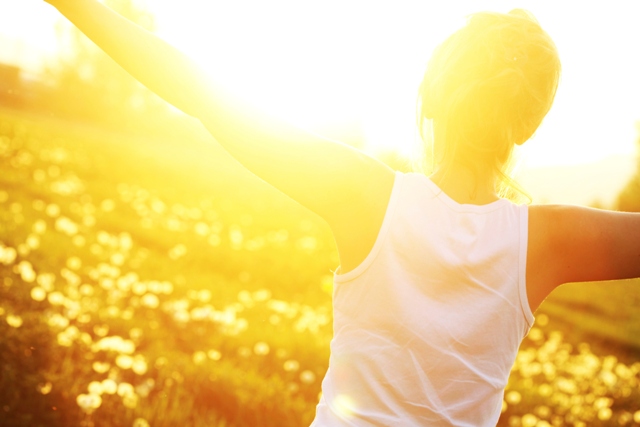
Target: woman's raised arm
[(154, 62), (347, 188)]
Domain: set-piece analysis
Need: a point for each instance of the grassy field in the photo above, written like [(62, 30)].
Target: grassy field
[(154, 283)]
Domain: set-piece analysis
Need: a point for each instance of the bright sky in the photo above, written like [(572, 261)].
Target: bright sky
[(345, 60)]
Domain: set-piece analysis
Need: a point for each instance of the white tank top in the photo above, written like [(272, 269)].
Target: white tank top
[(427, 327)]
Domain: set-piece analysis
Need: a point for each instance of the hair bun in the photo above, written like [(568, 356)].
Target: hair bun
[(489, 85)]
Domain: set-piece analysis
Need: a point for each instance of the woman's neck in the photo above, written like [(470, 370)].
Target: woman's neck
[(464, 185)]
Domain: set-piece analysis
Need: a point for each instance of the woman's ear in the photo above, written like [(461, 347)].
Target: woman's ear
[(527, 133), (522, 140)]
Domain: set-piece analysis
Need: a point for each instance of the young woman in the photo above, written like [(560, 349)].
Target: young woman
[(438, 275)]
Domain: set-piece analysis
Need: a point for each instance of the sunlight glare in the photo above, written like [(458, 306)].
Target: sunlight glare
[(351, 68), (320, 69), (314, 66)]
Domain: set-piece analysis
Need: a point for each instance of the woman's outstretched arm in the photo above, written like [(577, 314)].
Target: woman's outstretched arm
[(155, 63), (576, 244), (347, 188)]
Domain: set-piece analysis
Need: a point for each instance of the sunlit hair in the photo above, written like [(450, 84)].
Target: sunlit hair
[(487, 88)]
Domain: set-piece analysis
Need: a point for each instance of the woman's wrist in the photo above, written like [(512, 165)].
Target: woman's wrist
[(64, 4)]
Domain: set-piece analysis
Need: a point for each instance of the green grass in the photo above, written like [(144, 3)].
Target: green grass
[(605, 314)]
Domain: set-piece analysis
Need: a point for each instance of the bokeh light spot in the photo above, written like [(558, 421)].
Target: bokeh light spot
[(344, 405)]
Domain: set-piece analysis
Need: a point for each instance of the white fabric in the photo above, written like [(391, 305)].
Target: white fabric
[(427, 328)]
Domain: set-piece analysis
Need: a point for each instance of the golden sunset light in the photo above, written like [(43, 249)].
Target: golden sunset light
[(359, 63), (212, 213), (363, 61)]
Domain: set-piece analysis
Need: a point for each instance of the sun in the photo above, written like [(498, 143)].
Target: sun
[(344, 68), (352, 68)]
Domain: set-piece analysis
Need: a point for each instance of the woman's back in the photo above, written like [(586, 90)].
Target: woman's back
[(427, 327)]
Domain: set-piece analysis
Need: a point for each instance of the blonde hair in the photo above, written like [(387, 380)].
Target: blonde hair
[(488, 87)]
